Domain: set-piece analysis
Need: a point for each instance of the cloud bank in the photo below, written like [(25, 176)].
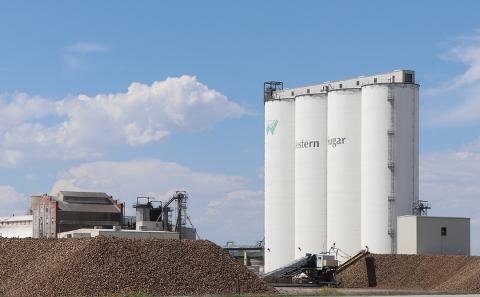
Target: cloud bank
[(88, 127), (12, 202), (450, 181), (218, 204), (462, 91)]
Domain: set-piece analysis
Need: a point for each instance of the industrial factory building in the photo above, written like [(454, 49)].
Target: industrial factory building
[(73, 210), (91, 214), (341, 164)]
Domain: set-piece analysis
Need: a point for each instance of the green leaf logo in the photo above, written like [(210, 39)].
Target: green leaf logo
[(271, 126)]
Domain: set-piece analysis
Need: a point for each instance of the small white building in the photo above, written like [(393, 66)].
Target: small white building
[(16, 226), (117, 232), (433, 235)]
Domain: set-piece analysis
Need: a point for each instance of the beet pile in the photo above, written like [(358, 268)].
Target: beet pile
[(105, 266), (453, 274)]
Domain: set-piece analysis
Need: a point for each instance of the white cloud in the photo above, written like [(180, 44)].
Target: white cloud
[(86, 127), (469, 56), (221, 206), (130, 179), (238, 216), (74, 56), (463, 110), (9, 158), (462, 91), (87, 48), (12, 202), (450, 181), (20, 108)]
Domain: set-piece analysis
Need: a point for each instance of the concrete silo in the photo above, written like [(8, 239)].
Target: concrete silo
[(279, 179), (343, 169), (352, 143), (389, 185), (310, 174)]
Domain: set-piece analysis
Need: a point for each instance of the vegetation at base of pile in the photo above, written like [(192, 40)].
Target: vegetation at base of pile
[(128, 293), (327, 291)]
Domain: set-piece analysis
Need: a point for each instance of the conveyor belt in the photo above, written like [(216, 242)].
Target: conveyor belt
[(352, 260), (290, 269)]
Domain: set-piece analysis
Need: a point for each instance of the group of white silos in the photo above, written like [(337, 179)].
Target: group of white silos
[(341, 163)]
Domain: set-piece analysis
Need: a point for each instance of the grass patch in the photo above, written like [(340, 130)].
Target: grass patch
[(130, 294), (322, 291), (327, 291)]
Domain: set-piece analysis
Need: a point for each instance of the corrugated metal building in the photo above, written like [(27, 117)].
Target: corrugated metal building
[(74, 210)]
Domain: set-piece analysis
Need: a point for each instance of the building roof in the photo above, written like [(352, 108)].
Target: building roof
[(84, 197), (82, 194), (91, 207), (435, 217), (84, 202), (16, 218)]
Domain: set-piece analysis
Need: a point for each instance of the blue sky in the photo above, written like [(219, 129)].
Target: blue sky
[(71, 115)]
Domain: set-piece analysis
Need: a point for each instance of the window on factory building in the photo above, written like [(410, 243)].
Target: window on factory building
[(408, 78), (444, 231)]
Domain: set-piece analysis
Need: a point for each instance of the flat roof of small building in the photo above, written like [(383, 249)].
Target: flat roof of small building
[(16, 218), (436, 217)]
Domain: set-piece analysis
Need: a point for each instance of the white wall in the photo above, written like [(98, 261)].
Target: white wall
[(16, 227), (407, 235)]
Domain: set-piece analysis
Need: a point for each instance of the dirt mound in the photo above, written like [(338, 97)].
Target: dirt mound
[(456, 274), (102, 266)]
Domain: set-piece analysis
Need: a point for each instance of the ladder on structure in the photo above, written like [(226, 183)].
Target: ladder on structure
[(391, 166)]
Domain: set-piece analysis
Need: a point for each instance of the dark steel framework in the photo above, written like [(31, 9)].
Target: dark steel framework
[(421, 207), (269, 88), (172, 214)]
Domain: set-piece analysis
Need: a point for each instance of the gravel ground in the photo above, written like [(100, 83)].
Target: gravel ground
[(454, 274), (103, 266)]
